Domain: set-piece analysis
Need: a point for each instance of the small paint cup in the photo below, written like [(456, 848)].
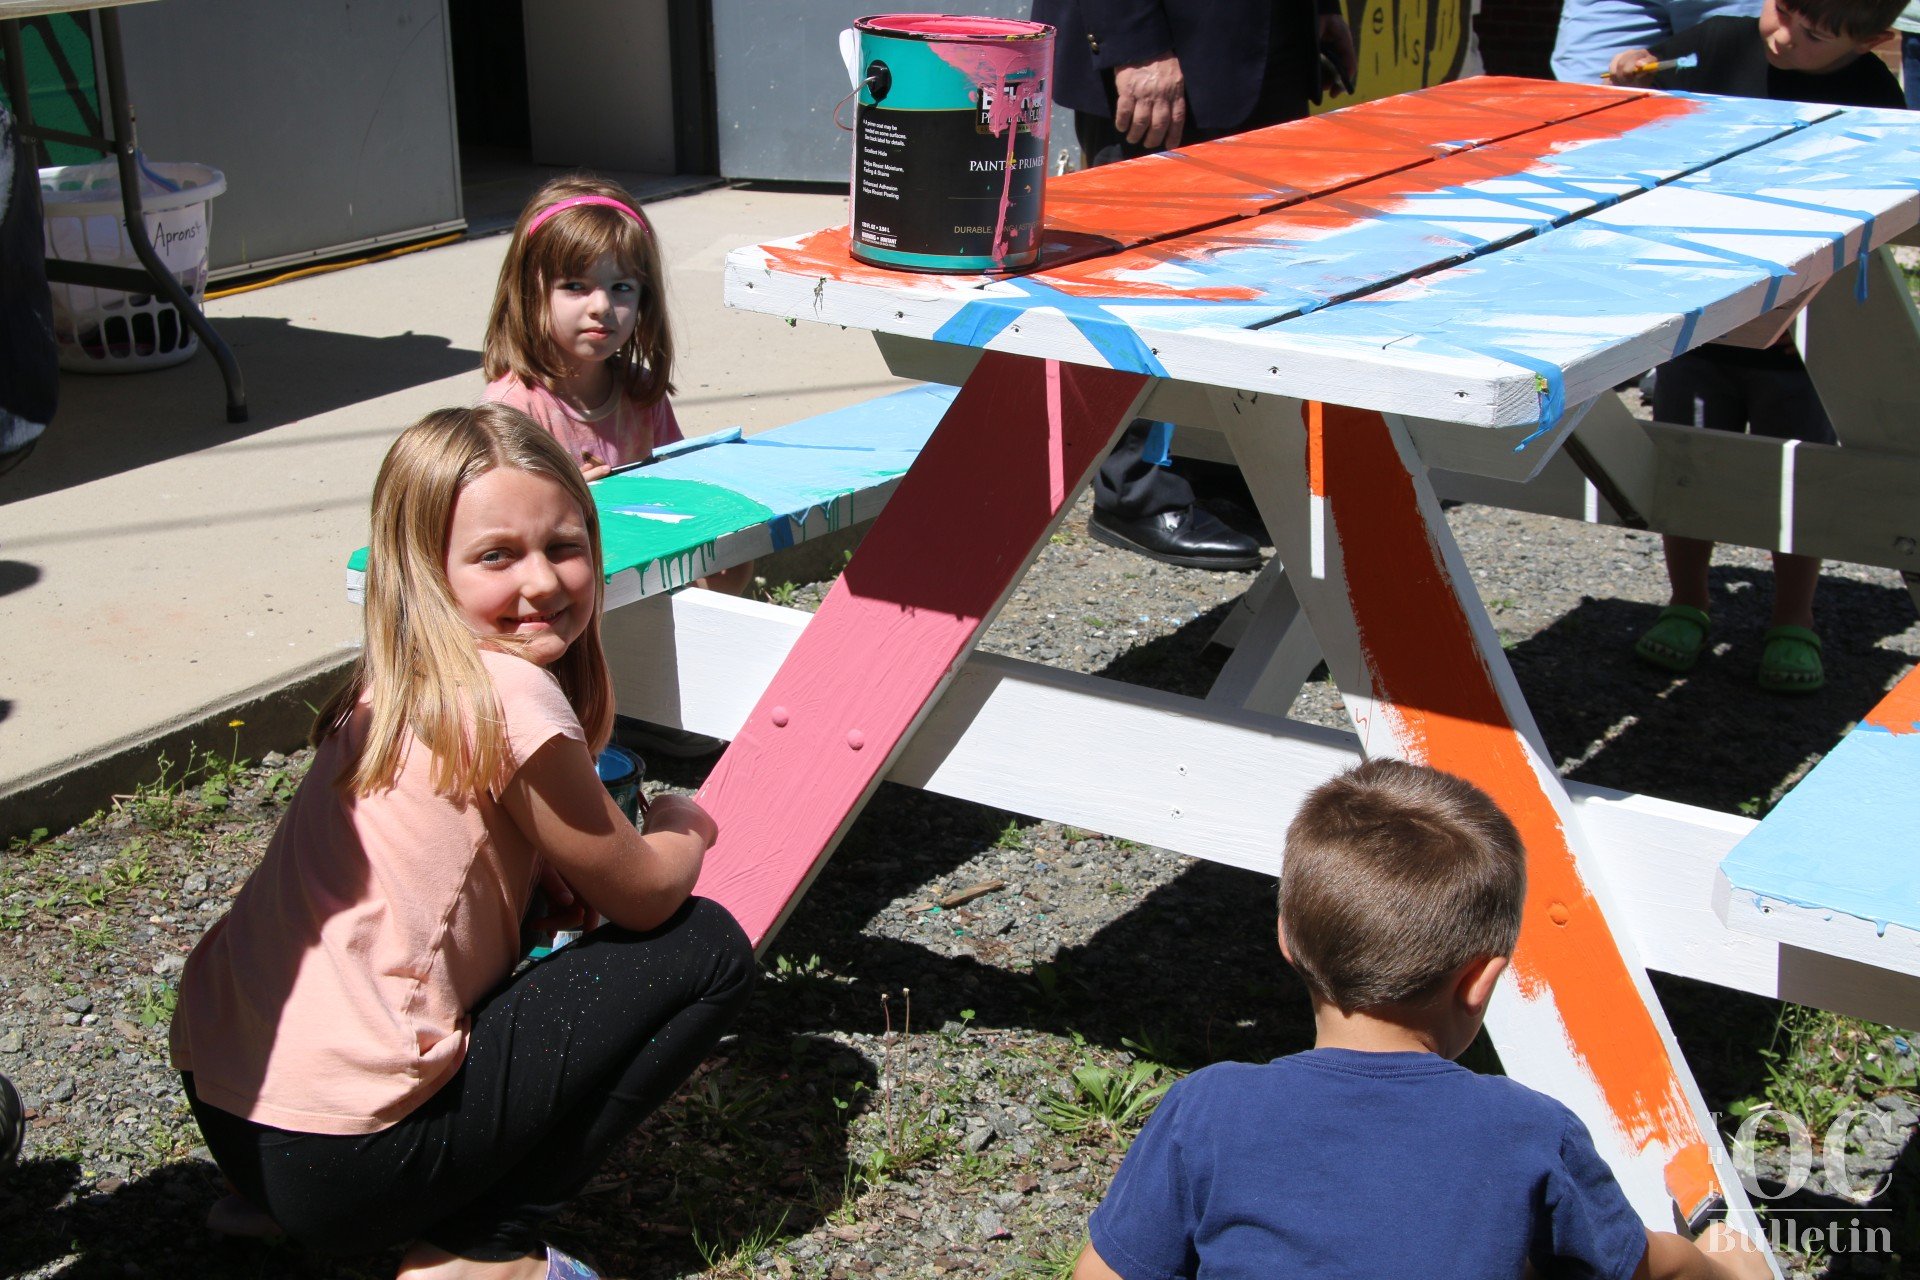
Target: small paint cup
[(622, 772)]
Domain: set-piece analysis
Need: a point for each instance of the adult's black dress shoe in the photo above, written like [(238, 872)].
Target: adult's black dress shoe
[(1190, 537)]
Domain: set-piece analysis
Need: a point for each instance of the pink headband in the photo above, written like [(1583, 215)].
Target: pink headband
[(574, 202)]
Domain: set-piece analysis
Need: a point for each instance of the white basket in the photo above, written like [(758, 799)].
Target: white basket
[(105, 330)]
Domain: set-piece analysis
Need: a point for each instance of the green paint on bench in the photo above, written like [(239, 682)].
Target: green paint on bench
[(667, 521)]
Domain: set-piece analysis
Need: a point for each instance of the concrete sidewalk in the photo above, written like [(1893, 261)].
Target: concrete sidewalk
[(163, 573)]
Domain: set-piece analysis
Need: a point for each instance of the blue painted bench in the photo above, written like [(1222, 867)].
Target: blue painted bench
[(715, 501), (1834, 867)]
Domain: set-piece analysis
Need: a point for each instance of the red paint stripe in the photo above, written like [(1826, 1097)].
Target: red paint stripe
[(1433, 684), (927, 579), (1899, 711)]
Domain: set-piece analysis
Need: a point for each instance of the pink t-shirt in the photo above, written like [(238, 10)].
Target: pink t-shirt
[(333, 997), (629, 434)]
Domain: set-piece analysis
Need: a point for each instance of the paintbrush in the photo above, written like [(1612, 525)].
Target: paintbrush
[(730, 435), (1650, 66)]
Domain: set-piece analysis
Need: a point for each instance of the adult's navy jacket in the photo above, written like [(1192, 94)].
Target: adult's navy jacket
[(1227, 50)]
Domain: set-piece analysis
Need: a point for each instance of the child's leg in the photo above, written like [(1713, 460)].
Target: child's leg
[(653, 1004), (1795, 578), (1691, 390), (1688, 560), (562, 1062)]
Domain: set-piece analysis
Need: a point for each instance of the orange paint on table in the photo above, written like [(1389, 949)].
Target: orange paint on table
[(1899, 711), (1432, 681), (1178, 193)]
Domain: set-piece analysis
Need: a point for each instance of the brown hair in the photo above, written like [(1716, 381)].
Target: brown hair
[(420, 665), (1851, 19), (520, 326), (1395, 875)]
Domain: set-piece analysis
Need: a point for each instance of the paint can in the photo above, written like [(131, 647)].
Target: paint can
[(950, 141), (621, 773)]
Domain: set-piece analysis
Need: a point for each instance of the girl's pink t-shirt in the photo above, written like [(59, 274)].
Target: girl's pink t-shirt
[(333, 997), (629, 434)]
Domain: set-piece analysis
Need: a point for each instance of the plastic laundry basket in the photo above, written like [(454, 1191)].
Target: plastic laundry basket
[(105, 330)]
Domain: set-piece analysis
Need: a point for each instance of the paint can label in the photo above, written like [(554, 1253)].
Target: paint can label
[(950, 150)]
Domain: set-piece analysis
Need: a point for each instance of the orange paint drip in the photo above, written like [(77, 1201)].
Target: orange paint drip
[(1899, 711), (1426, 666)]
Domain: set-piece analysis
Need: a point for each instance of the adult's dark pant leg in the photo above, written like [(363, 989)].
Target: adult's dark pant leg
[(562, 1063)]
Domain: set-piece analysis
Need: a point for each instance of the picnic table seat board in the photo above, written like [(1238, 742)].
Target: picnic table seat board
[(1833, 865), (719, 500), (1651, 223)]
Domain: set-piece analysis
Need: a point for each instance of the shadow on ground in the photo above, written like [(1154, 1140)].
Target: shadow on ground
[(110, 424), (1711, 737), (757, 1141)]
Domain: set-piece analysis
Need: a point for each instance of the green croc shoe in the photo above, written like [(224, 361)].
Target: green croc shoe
[(1791, 661), (1674, 642)]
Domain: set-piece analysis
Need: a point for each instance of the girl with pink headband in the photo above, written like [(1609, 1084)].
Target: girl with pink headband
[(578, 340)]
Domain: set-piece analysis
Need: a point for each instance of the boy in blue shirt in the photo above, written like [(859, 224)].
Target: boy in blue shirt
[(1373, 1154), (1795, 51)]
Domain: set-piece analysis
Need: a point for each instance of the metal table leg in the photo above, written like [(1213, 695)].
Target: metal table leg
[(120, 144)]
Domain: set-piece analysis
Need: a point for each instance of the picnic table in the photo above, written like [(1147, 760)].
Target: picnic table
[(1435, 285)]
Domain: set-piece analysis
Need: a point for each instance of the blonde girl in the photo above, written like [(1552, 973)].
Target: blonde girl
[(367, 1068)]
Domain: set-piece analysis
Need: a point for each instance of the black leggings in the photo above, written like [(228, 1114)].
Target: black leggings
[(563, 1061)]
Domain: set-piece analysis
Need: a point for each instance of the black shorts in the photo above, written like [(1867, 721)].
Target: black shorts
[(1767, 393)]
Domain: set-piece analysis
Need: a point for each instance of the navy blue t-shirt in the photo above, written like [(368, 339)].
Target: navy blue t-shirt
[(1337, 1163)]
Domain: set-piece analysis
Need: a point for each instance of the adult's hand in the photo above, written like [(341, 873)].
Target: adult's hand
[(1152, 107), (1336, 41)]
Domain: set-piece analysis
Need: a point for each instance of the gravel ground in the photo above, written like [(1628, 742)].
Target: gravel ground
[(967, 1017)]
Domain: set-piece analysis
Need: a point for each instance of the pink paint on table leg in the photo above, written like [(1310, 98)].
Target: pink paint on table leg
[(929, 577), (1056, 462)]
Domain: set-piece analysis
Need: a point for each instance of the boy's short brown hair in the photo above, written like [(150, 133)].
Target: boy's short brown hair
[(1853, 19), (1395, 875)]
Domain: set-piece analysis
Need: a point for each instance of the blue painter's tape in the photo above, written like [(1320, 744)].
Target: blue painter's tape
[(1159, 446), (981, 321)]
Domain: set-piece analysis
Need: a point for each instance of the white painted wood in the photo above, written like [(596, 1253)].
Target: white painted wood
[(1844, 503), (1186, 403), (1863, 356), (1836, 933), (1504, 453), (1234, 625), (702, 660), (1848, 503), (1274, 658)]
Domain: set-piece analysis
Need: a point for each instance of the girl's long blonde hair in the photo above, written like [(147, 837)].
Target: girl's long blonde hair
[(520, 326), (421, 666)]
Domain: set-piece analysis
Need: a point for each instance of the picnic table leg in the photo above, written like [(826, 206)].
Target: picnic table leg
[(1018, 443), (1274, 651), (1424, 679)]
